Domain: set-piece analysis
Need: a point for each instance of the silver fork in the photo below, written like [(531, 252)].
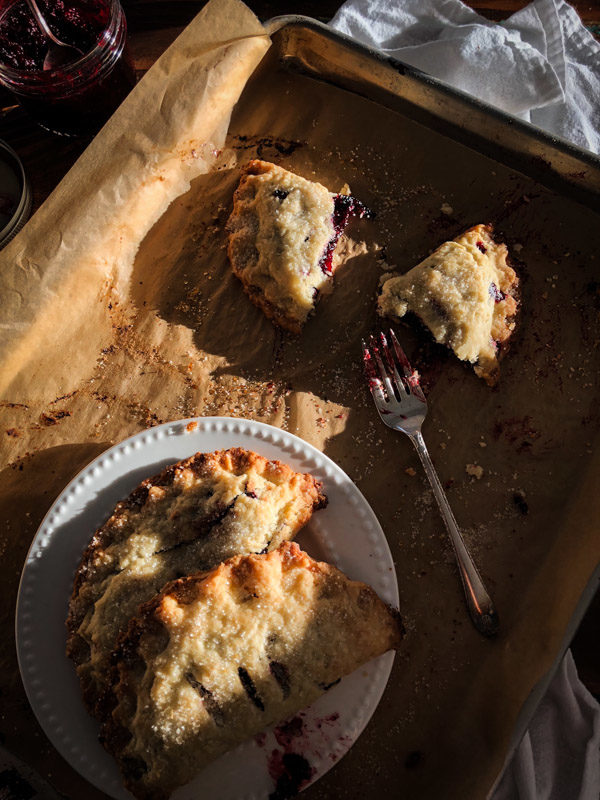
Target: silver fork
[(402, 406)]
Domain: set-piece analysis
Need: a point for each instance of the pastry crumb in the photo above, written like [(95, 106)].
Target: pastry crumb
[(475, 470)]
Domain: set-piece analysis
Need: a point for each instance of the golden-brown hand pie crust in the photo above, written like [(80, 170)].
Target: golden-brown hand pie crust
[(282, 233), (465, 292), (193, 515), (217, 657)]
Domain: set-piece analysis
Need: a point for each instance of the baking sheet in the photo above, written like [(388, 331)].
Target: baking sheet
[(175, 336)]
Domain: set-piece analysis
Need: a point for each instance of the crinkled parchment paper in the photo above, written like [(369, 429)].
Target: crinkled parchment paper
[(119, 311)]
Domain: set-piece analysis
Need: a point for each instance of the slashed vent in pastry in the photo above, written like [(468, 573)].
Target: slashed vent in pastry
[(217, 657), (465, 293), (282, 234), (190, 517)]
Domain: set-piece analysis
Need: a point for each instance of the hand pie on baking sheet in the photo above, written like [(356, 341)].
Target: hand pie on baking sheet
[(193, 515), (217, 657), (282, 234), (464, 292)]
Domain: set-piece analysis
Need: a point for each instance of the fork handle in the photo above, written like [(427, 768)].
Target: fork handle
[(479, 602)]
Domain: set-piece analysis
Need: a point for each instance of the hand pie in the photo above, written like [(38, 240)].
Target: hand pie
[(465, 293), (192, 516), (282, 234), (217, 657)]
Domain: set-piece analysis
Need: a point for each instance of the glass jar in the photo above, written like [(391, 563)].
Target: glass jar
[(78, 97), (15, 196)]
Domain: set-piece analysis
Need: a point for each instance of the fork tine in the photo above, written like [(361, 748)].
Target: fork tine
[(401, 356), (374, 381), (411, 376), (383, 373), (399, 383)]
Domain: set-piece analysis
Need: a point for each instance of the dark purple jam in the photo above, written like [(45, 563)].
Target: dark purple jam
[(291, 771), (76, 97), (344, 208), (23, 46)]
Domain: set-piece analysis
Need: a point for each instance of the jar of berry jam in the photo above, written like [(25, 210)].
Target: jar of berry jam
[(79, 96)]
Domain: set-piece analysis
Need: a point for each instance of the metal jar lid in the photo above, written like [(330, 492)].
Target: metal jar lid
[(15, 196)]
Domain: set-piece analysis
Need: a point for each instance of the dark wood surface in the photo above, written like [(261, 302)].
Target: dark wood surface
[(153, 25)]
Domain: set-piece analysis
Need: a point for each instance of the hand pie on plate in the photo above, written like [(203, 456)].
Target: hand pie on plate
[(190, 517), (217, 657)]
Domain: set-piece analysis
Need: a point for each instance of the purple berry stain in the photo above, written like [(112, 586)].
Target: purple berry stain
[(344, 208), (291, 771), (289, 730)]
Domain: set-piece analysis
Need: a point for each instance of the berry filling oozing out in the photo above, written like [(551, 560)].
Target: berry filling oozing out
[(344, 208)]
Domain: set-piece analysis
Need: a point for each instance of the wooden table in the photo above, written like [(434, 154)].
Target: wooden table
[(153, 25)]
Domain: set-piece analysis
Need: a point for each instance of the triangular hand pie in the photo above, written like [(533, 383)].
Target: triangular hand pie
[(217, 657), (464, 292), (192, 516)]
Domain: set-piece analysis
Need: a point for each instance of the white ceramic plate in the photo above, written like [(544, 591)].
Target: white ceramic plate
[(346, 533)]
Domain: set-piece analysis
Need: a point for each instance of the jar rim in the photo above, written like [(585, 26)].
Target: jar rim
[(23, 209), (68, 71)]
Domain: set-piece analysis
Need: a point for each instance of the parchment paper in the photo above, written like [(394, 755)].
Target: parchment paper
[(100, 341)]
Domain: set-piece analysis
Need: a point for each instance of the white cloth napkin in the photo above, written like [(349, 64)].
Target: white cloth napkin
[(559, 756), (541, 65)]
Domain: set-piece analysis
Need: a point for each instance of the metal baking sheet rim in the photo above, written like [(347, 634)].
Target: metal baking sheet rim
[(587, 159)]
